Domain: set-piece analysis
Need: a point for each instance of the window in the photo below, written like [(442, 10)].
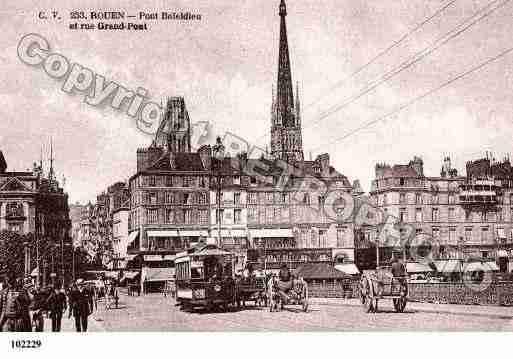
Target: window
[(452, 235), (152, 181), (253, 181), (434, 198), (169, 181), (219, 216), (203, 215), (341, 233), (153, 216), (284, 197), (402, 182), (152, 198), (451, 198), (185, 198), (402, 198), (418, 198), (323, 238), (186, 181), (468, 234), (277, 214), (252, 198), (451, 214), (306, 198), (484, 234), (436, 233), (187, 215), (237, 219), (435, 215), (169, 197), (236, 198), (170, 216), (236, 180), (252, 214), (500, 216), (403, 217), (418, 215), (385, 202)]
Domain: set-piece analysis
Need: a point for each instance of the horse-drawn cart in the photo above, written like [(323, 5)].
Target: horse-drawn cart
[(251, 289), (381, 284), (297, 295)]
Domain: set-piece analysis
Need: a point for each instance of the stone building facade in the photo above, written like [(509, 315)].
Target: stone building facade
[(468, 216)]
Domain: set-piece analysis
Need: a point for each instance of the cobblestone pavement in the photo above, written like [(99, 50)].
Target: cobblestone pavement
[(156, 313)]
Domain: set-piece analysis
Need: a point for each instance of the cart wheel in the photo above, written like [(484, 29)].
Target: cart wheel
[(400, 304), (368, 304)]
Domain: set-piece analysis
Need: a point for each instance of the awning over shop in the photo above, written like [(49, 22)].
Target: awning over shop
[(197, 233), (163, 233), (502, 253), (414, 267), (229, 233), (271, 233), (448, 266), (158, 274), (129, 275), (480, 266), (132, 236), (348, 268), (158, 257)]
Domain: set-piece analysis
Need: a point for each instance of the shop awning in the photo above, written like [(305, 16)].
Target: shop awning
[(480, 266), (197, 233), (129, 275), (448, 266), (415, 267), (271, 233), (158, 257), (348, 268), (158, 274), (502, 253), (163, 233), (229, 233), (132, 236)]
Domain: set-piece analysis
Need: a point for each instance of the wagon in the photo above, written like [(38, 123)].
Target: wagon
[(298, 295), (381, 284), (251, 289)]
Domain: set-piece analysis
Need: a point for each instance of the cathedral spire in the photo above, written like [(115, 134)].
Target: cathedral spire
[(284, 95), (286, 139)]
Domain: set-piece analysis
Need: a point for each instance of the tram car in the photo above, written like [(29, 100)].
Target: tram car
[(205, 278)]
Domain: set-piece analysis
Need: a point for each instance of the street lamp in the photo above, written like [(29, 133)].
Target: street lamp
[(218, 156)]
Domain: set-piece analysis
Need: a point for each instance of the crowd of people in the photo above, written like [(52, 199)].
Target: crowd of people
[(23, 306)]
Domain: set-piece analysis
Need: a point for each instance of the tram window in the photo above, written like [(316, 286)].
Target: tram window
[(196, 273)]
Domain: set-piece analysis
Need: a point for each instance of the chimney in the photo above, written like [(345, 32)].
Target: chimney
[(205, 153)]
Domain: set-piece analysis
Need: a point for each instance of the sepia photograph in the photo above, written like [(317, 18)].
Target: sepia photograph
[(291, 166)]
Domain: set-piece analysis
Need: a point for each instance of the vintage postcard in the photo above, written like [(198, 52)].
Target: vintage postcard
[(255, 166)]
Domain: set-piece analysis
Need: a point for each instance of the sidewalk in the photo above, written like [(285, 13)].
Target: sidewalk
[(68, 325), (472, 310)]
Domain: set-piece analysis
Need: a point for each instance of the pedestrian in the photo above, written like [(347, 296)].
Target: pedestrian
[(14, 308), (81, 305), (56, 304)]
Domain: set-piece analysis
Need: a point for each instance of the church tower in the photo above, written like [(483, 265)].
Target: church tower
[(174, 133), (286, 140)]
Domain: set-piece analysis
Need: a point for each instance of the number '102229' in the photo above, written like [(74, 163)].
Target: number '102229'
[(25, 344)]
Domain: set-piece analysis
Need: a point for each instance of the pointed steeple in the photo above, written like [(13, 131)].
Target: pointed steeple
[(286, 138), (3, 163), (284, 96), (51, 173)]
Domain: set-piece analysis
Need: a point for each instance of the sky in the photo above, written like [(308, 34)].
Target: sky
[(225, 67)]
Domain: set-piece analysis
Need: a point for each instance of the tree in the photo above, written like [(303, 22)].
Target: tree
[(12, 253)]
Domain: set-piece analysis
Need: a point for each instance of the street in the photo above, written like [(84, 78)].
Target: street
[(157, 313)]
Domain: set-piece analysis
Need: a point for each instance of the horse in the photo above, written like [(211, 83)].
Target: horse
[(298, 294)]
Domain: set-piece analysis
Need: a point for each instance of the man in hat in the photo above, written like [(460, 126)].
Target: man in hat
[(56, 304), (285, 281), (81, 305), (14, 307)]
